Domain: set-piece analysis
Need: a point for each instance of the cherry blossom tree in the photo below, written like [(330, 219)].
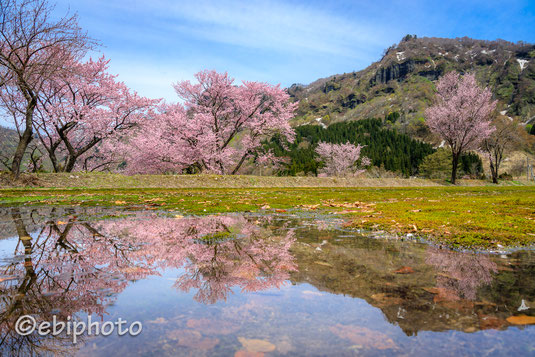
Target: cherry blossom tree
[(342, 159), (162, 144), (219, 127), (81, 110), (33, 49), (461, 115)]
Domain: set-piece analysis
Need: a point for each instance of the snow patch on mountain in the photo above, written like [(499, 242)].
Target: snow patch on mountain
[(320, 123), (523, 63)]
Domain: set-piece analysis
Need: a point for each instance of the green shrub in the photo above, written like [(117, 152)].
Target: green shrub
[(439, 165)]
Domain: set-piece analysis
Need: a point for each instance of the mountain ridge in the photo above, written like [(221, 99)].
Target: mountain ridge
[(402, 81)]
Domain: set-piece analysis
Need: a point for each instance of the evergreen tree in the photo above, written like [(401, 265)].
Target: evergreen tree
[(388, 148)]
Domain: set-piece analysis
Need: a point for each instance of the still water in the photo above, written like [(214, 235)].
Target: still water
[(250, 285)]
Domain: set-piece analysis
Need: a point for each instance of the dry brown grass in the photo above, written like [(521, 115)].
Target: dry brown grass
[(106, 180)]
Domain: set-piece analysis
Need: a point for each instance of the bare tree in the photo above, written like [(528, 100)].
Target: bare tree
[(33, 49), (496, 145)]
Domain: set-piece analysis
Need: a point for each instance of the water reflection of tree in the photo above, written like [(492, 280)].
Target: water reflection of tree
[(76, 267), (217, 253), (461, 273), (67, 269)]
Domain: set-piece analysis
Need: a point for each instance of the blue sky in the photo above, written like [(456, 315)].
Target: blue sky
[(153, 43)]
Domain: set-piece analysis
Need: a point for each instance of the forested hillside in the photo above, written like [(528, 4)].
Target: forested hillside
[(402, 81), (385, 147)]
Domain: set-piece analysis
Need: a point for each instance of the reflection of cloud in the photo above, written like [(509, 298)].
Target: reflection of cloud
[(461, 273)]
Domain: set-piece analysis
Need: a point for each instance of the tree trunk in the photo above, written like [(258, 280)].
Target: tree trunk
[(498, 160), (70, 163), (24, 141), (54, 160), (73, 153), (51, 150), (240, 163), (454, 165), (493, 172)]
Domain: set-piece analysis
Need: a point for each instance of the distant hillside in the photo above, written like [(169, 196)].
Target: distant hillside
[(9, 140), (8, 143), (386, 148), (402, 81)]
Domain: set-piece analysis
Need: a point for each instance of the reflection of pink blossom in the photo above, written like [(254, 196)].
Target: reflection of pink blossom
[(74, 266), (67, 268), (462, 273), (217, 253)]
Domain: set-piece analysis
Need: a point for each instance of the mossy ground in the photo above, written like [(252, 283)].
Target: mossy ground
[(473, 217)]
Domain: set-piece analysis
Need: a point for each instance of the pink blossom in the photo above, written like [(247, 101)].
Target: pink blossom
[(219, 127), (461, 115), (81, 110), (342, 159)]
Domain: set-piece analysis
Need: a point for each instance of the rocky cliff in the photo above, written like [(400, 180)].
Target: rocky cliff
[(403, 81)]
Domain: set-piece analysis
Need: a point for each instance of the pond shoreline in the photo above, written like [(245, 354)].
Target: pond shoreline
[(476, 218), (482, 218)]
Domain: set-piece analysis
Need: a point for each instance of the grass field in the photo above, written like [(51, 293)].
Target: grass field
[(458, 216)]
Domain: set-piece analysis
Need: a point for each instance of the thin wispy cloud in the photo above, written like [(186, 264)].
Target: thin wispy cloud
[(274, 25), (155, 42)]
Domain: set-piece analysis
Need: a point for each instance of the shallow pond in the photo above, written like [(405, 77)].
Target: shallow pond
[(245, 284)]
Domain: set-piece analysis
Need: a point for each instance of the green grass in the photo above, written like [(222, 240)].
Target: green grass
[(474, 217)]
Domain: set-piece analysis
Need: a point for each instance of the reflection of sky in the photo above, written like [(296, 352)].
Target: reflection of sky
[(7, 247), (302, 315), (299, 313)]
